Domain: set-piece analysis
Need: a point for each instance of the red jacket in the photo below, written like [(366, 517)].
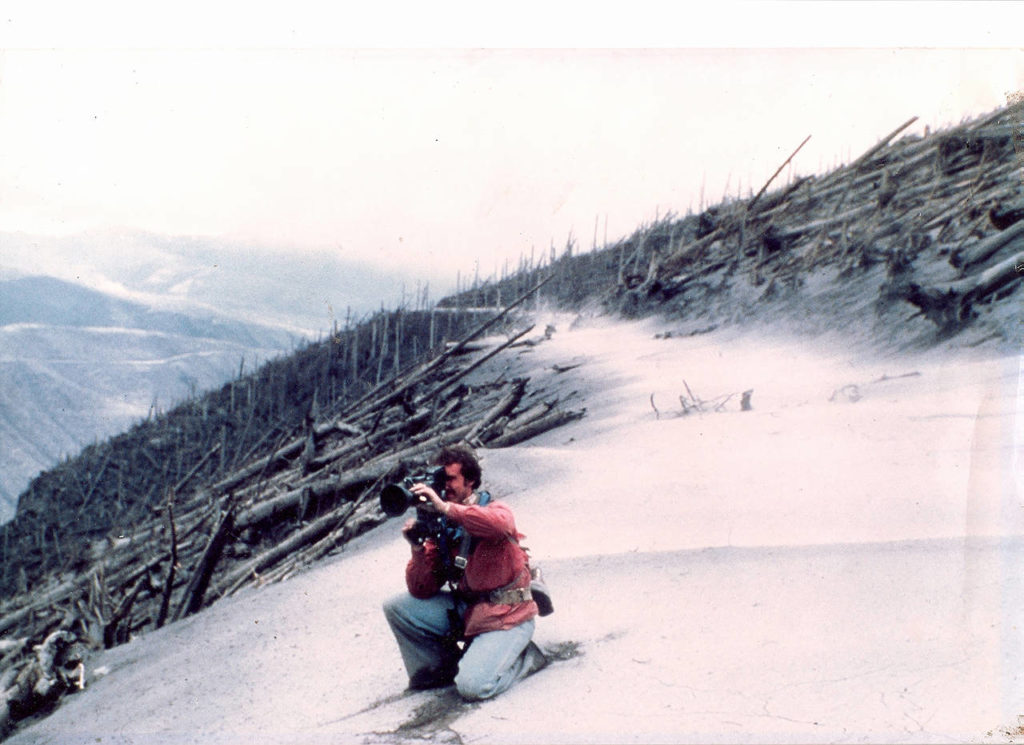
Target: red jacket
[(495, 561)]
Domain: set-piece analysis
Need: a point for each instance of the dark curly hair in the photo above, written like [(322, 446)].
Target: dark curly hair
[(465, 457)]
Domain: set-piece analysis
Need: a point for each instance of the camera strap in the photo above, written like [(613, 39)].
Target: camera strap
[(462, 558), (465, 544)]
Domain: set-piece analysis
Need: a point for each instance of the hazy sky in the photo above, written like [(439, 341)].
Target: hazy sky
[(276, 132)]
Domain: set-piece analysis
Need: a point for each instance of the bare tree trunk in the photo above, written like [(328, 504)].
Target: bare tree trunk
[(951, 306)]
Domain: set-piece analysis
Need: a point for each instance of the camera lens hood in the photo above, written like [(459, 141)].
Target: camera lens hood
[(396, 499)]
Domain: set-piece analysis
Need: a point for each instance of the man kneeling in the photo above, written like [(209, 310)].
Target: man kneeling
[(468, 616)]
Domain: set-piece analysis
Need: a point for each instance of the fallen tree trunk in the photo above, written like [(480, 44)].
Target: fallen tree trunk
[(333, 539), (503, 407), (536, 427), (374, 469), (857, 164), (1004, 215), (413, 424), (192, 599), (113, 632), (984, 249), (292, 448), (757, 197), (57, 668), (58, 594), (276, 505), (448, 383), (399, 386), (676, 261), (532, 414), (951, 306), (312, 532)]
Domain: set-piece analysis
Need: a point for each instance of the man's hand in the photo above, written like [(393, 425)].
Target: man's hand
[(409, 524), (431, 501)]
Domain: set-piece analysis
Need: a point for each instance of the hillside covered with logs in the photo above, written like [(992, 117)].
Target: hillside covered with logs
[(132, 534), (917, 243)]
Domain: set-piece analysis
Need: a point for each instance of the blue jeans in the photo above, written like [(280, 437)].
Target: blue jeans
[(491, 662)]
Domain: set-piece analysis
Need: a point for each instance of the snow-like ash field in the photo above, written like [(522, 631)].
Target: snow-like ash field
[(839, 563)]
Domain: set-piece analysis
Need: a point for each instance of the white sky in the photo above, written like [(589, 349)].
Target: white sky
[(237, 124)]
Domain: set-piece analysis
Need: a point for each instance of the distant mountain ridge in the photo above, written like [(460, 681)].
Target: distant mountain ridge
[(77, 365), (304, 290), (54, 302)]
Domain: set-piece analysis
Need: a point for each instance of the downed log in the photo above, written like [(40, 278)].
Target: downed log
[(283, 502), (54, 596), (354, 523), (750, 206), (292, 448), (984, 249), (337, 536), (449, 382), (1004, 215), (685, 253), (172, 564), (10, 649), (342, 427), (192, 599), (311, 533), (857, 164), (536, 427), (399, 385), (503, 407), (531, 414), (856, 213), (113, 632), (951, 306), (413, 424), (372, 470), (57, 668)]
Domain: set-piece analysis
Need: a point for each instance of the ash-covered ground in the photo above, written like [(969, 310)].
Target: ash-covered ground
[(840, 563)]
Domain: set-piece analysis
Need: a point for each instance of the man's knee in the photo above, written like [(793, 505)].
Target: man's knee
[(474, 686), (396, 607)]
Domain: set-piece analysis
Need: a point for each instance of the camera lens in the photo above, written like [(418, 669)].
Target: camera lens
[(395, 499)]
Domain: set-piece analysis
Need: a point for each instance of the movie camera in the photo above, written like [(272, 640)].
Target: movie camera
[(396, 498)]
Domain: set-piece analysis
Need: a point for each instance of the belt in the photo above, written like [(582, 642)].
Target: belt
[(500, 596), (507, 595), (510, 597)]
